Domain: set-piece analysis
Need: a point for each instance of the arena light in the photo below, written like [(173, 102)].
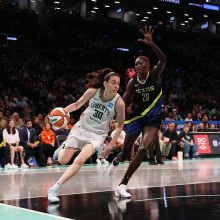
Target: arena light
[(218, 22), (149, 12), (56, 2), (183, 24), (168, 12), (122, 49), (155, 8), (186, 14), (137, 14), (12, 38), (95, 8), (57, 8), (144, 20), (107, 6), (160, 22), (116, 2), (205, 16), (191, 19), (186, 21), (146, 17), (93, 12), (94, 0)]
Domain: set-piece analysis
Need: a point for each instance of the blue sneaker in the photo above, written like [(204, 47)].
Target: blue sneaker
[(187, 158), (51, 195), (196, 157), (55, 155)]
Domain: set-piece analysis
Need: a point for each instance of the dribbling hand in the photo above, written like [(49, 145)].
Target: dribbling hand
[(105, 153), (147, 36)]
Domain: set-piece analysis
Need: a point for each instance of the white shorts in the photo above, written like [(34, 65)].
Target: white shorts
[(79, 137)]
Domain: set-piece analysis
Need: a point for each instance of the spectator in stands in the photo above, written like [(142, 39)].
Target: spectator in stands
[(169, 117), (187, 138), (18, 122), (7, 115), (3, 123), (41, 119), (212, 126), (113, 127), (4, 152), (190, 125), (28, 140), (176, 116), (194, 118), (194, 128), (62, 131), (164, 113), (206, 122), (12, 136), (71, 124), (200, 127), (163, 127), (214, 117), (198, 117), (21, 102), (171, 140), (188, 117), (48, 141), (36, 126), (25, 114)]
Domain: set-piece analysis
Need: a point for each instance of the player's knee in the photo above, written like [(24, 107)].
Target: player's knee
[(79, 160), (142, 151), (63, 161)]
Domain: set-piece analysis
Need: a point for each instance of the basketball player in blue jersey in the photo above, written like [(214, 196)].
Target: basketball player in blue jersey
[(146, 89), (90, 132)]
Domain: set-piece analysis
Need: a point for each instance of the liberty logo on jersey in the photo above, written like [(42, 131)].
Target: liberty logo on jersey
[(110, 105)]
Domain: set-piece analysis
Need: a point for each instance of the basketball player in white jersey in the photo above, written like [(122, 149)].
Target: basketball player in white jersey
[(90, 132)]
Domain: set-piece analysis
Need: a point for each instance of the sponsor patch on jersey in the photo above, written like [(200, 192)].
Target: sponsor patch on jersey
[(110, 105)]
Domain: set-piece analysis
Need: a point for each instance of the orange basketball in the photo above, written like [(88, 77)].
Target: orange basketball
[(59, 117)]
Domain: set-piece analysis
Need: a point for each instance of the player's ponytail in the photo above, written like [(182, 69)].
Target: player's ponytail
[(96, 79)]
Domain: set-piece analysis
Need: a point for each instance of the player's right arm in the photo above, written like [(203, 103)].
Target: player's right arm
[(129, 91), (89, 93)]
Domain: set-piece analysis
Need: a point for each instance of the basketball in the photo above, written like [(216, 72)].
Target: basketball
[(59, 117)]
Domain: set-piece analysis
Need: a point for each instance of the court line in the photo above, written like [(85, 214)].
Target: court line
[(29, 210), (133, 187)]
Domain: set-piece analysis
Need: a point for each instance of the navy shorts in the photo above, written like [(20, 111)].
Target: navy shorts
[(135, 127)]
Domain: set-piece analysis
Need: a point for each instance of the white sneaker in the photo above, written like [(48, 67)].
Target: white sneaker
[(121, 191), (98, 161), (112, 169), (24, 166), (104, 161), (52, 197), (13, 166)]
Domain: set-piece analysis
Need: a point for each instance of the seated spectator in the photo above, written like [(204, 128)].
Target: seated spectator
[(41, 120), (194, 118), (198, 117), (113, 127), (176, 116), (188, 117), (62, 131), (12, 137), (194, 128), (4, 152), (212, 126), (190, 125), (163, 127), (201, 127), (171, 140), (28, 140), (206, 122), (36, 125), (7, 115), (48, 141), (3, 123), (71, 124), (18, 122), (187, 138), (170, 117), (25, 114)]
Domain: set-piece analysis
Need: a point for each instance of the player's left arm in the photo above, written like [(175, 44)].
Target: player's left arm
[(120, 109), (148, 39), (86, 96)]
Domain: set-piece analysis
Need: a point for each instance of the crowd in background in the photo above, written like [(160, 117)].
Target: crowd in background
[(64, 50)]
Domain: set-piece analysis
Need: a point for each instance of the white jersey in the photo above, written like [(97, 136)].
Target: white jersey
[(97, 117)]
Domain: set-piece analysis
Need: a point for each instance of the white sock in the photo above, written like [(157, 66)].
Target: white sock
[(57, 186)]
